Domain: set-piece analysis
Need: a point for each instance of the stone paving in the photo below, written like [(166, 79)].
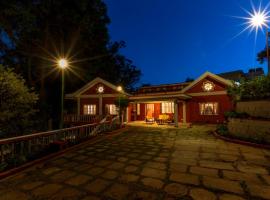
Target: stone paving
[(149, 163)]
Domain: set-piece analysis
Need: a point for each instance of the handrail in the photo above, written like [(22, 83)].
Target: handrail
[(71, 118), (34, 145)]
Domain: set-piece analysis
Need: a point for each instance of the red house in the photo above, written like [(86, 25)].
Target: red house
[(202, 101)]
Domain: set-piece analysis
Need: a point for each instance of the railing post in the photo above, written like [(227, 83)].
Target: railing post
[(2, 153)]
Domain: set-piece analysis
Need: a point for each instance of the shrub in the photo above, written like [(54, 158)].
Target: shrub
[(255, 89), (17, 103), (234, 114)]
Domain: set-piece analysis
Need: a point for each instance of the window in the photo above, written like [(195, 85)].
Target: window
[(209, 108), (89, 109), (111, 109), (138, 109), (167, 107)]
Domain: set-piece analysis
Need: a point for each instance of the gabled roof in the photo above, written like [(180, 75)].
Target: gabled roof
[(207, 74), (91, 84)]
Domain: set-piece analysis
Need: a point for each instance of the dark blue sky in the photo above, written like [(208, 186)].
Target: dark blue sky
[(170, 40)]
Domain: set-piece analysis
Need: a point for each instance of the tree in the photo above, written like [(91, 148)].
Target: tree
[(188, 79), (262, 56), (17, 103), (33, 34)]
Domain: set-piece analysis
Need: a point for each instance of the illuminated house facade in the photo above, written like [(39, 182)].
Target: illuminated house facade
[(202, 101)]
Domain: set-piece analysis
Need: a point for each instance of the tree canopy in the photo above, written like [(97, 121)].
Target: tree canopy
[(35, 33), (17, 103)]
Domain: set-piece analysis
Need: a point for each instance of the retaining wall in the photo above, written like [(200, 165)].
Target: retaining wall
[(254, 108), (249, 128)]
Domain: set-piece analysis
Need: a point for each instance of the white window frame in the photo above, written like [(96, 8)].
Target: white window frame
[(89, 109), (111, 109), (167, 107), (208, 105)]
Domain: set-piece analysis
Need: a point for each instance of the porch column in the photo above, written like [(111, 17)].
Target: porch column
[(184, 112), (135, 109), (78, 106), (127, 115), (176, 113), (100, 105)]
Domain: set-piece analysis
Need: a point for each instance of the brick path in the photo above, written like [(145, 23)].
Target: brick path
[(149, 163)]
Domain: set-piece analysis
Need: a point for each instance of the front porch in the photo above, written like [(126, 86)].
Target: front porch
[(157, 125), (159, 111)]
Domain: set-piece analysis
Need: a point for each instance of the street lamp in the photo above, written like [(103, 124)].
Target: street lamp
[(62, 63), (259, 19), (119, 89)]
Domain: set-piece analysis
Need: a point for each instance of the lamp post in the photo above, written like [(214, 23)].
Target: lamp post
[(119, 89), (62, 63)]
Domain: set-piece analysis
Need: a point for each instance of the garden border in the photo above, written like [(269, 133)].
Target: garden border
[(92, 140), (262, 146)]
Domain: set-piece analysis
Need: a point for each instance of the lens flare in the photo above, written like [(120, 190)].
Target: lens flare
[(257, 19)]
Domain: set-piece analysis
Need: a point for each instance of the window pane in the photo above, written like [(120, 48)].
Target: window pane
[(209, 108), (89, 109), (111, 109), (167, 107)]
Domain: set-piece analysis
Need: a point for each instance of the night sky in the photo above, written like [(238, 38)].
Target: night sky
[(170, 40)]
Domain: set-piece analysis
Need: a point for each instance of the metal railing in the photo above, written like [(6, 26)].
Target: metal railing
[(36, 145), (71, 118)]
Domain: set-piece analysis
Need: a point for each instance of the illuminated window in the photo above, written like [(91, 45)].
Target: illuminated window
[(167, 107), (89, 109), (111, 109), (209, 108), (138, 109)]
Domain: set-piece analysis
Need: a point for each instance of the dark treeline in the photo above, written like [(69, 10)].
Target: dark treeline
[(35, 33)]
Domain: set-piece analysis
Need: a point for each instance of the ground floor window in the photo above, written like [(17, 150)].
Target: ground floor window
[(89, 109), (208, 108), (138, 109), (111, 109), (167, 107)]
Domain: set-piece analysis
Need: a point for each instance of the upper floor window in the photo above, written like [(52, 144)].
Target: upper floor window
[(208, 108), (89, 109), (167, 107)]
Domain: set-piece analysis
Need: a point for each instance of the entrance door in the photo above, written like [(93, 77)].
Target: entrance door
[(150, 109)]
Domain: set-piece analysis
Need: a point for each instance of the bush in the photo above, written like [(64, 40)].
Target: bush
[(17, 103), (255, 89), (222, 129), (234, 114)]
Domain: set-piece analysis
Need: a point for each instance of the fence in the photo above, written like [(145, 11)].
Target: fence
[(38, 144)]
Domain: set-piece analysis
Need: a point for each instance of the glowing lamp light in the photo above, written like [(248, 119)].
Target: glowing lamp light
[(63, 63), (119, 88)]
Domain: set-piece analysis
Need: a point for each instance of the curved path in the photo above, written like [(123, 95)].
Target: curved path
[(149, 163)]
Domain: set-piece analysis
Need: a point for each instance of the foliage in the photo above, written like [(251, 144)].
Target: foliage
[(262, 56), (122, 102), (17, 103), (255, 89), (222, 130), (34, 34), (234, 114)]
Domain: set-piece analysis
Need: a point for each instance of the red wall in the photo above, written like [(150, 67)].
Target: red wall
[(198, 87), (193, 112)]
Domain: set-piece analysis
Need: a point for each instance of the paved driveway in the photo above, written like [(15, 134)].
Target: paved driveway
[(149, 163)]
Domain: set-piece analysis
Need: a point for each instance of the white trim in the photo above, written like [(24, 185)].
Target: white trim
[(91, 84), (214, 76), (164, 96), (207, 93), (98, 95)]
